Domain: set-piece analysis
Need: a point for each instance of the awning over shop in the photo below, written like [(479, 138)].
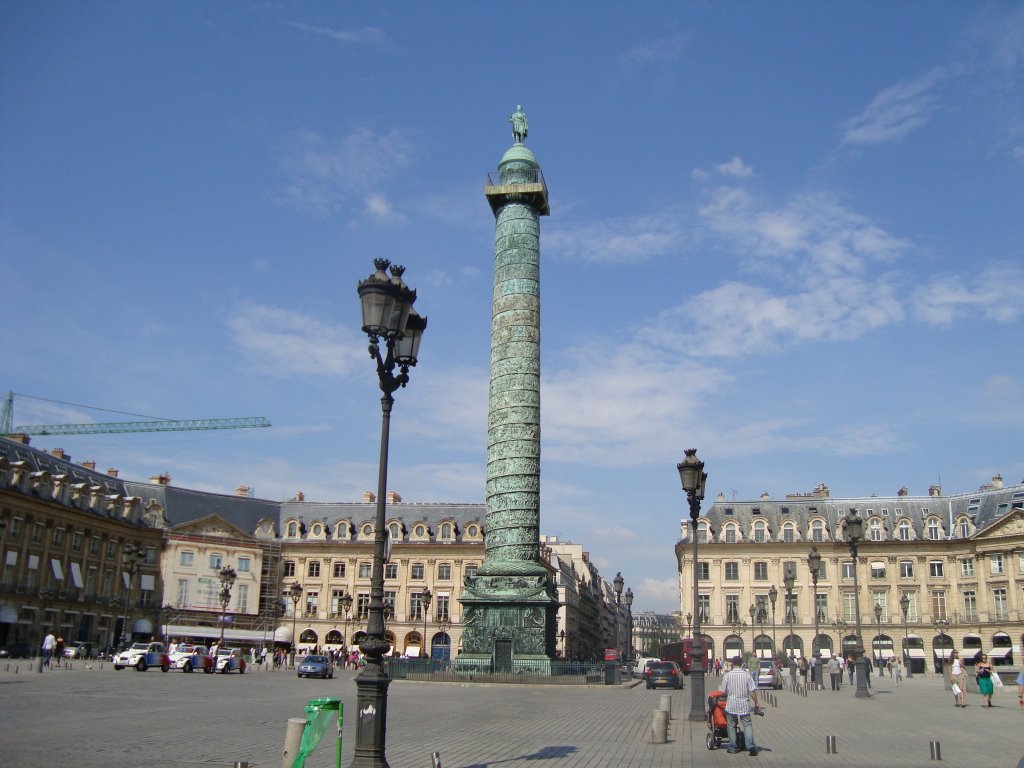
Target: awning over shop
[(147, 582), (283, 635), (942, 652), (1000, 653), (915, 653), (76, 575), (142, 626)]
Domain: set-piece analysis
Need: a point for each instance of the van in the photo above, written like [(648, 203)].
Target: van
[(640, 670)]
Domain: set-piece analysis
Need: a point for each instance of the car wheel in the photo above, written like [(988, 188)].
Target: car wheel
[(187, 666), (208, 670), (241, 670), (165, 667), (141, 666), (118, 668), (299, 674)]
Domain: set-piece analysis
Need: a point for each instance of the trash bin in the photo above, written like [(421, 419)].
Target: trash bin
[(318, 715), (611, 674)]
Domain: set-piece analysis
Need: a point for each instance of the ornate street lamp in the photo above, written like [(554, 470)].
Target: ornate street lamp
[(617, 584), (854, 531), (346, 606), (942, 625), (561, 638), (694, 478), (787, 582), (753, 626), (295, 593), (814, 563), (131, 561), (689, 618), (773, 595), (388, 316), (876, 643), (426, 597), (905, 608), (628, 600), (227, 577)]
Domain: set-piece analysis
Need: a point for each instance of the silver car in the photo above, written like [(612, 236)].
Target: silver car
[(768, 675)]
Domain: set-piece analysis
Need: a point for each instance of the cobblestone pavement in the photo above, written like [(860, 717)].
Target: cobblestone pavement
[(99, 718)]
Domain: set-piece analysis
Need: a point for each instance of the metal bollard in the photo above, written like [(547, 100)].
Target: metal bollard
[(659, 731), (665, 704), (292, 739), (830, 746), (435, 760), (241, 764), (936, 750)]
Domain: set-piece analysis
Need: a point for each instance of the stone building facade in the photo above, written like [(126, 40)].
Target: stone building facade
[(958, 560), (66, 527)]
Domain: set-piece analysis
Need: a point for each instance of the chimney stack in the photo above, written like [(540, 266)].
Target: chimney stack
[(997, 481), (394, 498), (90, 465), (934, 490), (59, 453), (164, 479), (902, 491), (111, 472), (369, 497)]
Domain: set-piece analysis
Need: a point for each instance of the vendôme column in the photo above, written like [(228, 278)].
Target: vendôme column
[(509, 606)]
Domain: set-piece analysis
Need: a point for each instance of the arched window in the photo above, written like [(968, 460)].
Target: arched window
[(395, 532), (903, 530), (963, 527), (472, 531), (875, 529), (759, 529), (730, 534), (702, 532), (367, 530), (293, 529), (789, 533), (818, 530), (446, 532), (934, 530), (421, 531), (341, 531), (316, 530)]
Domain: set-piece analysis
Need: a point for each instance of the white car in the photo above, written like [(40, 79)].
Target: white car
[(142, 656), (189, 657)]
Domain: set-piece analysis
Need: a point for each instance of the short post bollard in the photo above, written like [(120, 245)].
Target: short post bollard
[(936, 750), (435, 760), (665, 704), (292, 738), (830, 746), (659, 733), (241, 764), (38, 663)]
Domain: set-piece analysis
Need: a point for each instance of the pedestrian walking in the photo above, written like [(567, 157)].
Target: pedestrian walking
[(957, 679), (983, 674), (741, 695), (803, 668), (897, 671), (835, 673), (849, 667), (48, 645)]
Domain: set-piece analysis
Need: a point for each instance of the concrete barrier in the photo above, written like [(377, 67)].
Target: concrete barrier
[(292, 739), (665, 704)]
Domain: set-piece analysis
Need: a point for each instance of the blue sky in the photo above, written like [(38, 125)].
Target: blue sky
[(787, 234)]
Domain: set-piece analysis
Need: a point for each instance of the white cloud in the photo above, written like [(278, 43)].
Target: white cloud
[(371, 37), (618, 241), (655, 51), (996, 293), (380, 208), (895, 111), (284, 343), (735, 167), (325, 174)]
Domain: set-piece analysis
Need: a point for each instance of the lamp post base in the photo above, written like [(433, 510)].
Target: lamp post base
[(372, 714), (861, 665), (697, 695)]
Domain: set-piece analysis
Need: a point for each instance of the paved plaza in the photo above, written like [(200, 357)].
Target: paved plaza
[(99, 718)]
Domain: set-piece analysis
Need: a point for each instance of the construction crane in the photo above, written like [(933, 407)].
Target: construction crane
[(153, 424)]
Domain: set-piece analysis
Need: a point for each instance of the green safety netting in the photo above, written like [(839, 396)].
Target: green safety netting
[(318, 717)]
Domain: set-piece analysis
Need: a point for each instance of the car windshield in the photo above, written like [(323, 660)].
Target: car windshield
[(226, 651), (664, 666), (140, 646), (185, 649), (315, 660)]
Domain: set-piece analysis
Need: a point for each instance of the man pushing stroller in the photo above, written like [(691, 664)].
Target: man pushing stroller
[(741, 699)]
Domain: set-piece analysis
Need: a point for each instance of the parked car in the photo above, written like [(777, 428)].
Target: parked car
[(641, 666), (17, 650), (78, 650), (768, 675), (664, 674), (189, 657), (142, 656), (230, 660), (316, 666)]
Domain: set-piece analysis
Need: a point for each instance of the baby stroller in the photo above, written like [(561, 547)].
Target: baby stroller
[(718, 723)]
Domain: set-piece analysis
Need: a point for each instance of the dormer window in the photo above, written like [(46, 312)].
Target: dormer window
[(293, 530)]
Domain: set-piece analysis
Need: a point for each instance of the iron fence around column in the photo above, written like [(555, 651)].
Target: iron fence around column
[(519, 671)]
